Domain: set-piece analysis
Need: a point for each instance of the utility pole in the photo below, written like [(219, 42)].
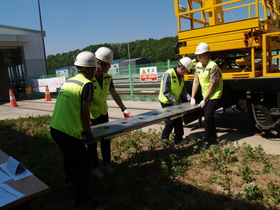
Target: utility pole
[(42, 35), (128, 53)]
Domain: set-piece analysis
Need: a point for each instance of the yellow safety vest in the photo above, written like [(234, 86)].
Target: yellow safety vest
[(67, 112), (204, 80), (99, 105), (175, 88)]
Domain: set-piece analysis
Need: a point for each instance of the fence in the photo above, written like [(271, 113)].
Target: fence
[(127, 82)]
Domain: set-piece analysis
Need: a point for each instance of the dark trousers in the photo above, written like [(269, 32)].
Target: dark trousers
[(176, 124), (76, 162), (210, 126), (105, 145)]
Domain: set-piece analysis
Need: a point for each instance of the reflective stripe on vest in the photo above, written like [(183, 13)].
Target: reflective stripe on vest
[(204, 80), (67, 112), (99, 105), (175, 88)]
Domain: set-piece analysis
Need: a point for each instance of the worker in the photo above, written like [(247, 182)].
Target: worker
[(103, 83), (172, 90), (209, 76), (70, 122)]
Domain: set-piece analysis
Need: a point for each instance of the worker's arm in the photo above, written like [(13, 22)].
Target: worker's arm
[(117, 98), (215, 76), (194, 90), (118, 101), (165, 88), (210, 91), (87, 98), (195, 86), (185, 94), (86, 115)]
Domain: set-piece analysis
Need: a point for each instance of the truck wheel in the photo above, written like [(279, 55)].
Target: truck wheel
[(265, 118)]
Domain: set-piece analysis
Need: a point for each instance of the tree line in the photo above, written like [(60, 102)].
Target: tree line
[(155, 50)]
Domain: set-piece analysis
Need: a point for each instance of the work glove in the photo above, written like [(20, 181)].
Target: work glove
[(87, 136), (192, 101), (188, 97), (126, 113), (202, 103)]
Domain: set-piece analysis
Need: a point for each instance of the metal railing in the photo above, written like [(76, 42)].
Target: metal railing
[(127, 82)]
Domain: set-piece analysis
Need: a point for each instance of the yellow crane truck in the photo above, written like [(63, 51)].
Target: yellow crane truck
[(244, 39)]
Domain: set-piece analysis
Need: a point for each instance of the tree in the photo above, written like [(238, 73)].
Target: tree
[(155, 50)]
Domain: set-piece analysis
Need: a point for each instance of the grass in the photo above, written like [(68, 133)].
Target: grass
[(147, 176)]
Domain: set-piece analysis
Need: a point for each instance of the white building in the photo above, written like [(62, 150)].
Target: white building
[(22, 56), (68, 71), (114, 69)]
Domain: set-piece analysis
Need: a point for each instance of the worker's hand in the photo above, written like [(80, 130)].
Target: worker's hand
[(193, 101), (126, 114), (88, 136), (202, 103)]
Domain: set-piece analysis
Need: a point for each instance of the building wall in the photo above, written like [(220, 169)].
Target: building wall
[(134, 61), (4, 94), (32, 43), (33, 56)]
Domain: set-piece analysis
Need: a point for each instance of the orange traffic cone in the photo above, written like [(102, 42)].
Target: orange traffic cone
[(13, 101), (47, 94)]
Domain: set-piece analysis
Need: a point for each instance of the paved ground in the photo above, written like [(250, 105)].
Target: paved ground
[(230, 125)]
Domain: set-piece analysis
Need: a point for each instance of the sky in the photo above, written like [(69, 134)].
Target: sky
[(76, 24)]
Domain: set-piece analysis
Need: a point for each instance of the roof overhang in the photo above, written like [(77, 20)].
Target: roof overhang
[(13, 40)]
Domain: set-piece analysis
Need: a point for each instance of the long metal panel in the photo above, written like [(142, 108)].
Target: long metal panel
[(119, 127)]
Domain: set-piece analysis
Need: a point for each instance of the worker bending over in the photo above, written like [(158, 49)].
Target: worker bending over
[(172, 88)]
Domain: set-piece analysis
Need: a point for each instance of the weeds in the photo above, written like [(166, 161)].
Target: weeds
[(274, 191), (147, 176), (178, 165), (253, 193), (245, 172)]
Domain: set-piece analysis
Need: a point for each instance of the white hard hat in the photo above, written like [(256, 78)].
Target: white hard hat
[(86, 59), (104, 54), (186, 62), (202, 48)]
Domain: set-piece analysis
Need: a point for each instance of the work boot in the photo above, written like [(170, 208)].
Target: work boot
[(185, 141), (205, 145), (98, 173), (108, 168), (180, 140), (164, 142), (214, 140)]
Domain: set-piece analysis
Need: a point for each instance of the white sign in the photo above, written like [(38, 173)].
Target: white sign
[(39, 85), (148, 74)]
